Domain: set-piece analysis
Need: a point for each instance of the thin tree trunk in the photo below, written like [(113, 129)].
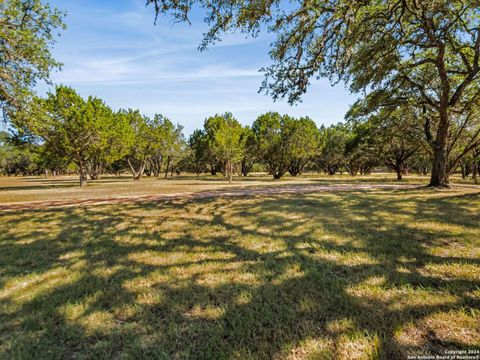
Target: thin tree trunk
[(168, 166), (83, 174)]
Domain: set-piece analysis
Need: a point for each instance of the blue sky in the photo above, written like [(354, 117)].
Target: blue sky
[(112, 49)]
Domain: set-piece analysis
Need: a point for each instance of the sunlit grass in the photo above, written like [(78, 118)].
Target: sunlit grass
[(354, 275), (39, 188)]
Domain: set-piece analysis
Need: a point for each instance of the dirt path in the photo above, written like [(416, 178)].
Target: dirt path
[(293, 189)]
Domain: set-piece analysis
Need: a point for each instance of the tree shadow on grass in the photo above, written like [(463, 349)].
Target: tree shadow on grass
[(320, 275)]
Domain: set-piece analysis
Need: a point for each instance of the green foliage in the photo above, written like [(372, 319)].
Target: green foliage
[(303, 142), (423, 53), (249, 155), (155, 142), (198, 157), (16, 159), (86, 133), (270, 145), (27, 30), (284, 143), (141, 145), (332, 158), (114, 136), (228, 141), (169, 144)]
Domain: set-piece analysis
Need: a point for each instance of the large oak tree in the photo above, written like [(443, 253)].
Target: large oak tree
[(412, 48)]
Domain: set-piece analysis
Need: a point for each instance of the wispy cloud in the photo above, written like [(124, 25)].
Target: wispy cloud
[(112, 49)]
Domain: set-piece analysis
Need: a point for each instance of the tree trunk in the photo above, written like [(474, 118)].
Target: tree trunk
[(83, 174), (230, 171), (399, 174), (168, 166), (137, 175), (439, 177)]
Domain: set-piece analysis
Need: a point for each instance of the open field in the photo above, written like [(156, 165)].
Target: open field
[(339, 274), (24, 189)]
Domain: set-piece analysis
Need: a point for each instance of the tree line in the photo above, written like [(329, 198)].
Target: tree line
[(416, 64), (65, 133)]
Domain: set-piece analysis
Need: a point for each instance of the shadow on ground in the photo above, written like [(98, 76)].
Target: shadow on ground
[(338, 275)]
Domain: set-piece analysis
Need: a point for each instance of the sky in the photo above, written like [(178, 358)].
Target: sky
[(113, 50)]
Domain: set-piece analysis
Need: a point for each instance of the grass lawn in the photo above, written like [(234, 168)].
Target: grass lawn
[(20, 189), (340, 275)]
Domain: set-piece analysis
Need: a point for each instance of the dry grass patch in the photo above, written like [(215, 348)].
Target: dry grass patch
[(357, 275)]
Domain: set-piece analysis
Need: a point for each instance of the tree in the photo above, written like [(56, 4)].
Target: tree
[(80, 131), (115, 136), (393, 135), (249, 156), (228, 142), (27, 30), (360, 153), (395, 146), (17, 158), (428, 51), (270, 145), (210, 127), (198, 145), (141, 145), (332, 158), (303, 142), (61, 122), (171, 142)]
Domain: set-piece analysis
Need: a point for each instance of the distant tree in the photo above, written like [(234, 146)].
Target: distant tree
[(360, 153), (141, 146), (421, 162), (171, 142), (27, 30), (283, 143), (82, 132), (61, 122), (249, 156), (395, 146), (332, 157), (393, 135), (197, 159), (464, 138), (229, 143), (115, 136), (50, 160), (210, 127), (303, 142), (271, 148), (16, 158), (476, 164)]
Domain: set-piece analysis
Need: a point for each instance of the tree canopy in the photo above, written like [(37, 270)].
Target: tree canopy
[(426, 53), (27, 31)]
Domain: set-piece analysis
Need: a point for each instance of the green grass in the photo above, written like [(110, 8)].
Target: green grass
[(353, 275), (38, 188)]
